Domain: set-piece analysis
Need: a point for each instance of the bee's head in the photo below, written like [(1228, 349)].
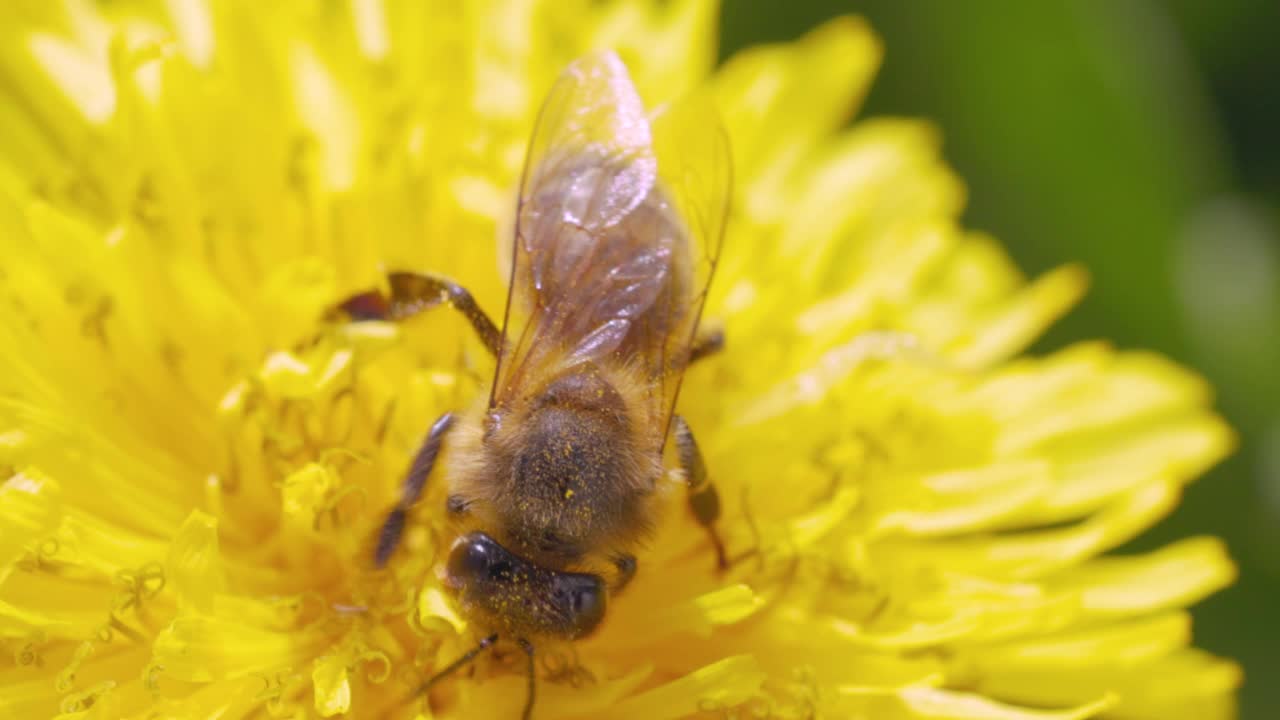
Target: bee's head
[(521, 597)]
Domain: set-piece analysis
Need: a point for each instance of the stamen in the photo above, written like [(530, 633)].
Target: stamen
[(67, 678), (137, 637), (80, 702), (48, 548), (338, 432), (151, 678), (385, 423), (29, 652), (379, 665)]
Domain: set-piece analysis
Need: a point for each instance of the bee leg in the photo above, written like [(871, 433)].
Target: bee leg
[(527, 647), (414, 482), (703, 498), (456, 505), (472, 654), (626, 564), (706, 344), (412, 293)]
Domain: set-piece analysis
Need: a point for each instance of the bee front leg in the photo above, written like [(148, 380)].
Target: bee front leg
[(527, 647), (414, 482), (626, 565), (469, 656), (704, 501), (411, 293)]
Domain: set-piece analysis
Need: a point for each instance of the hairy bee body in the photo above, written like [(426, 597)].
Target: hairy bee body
[(564, 476), (557, 479)]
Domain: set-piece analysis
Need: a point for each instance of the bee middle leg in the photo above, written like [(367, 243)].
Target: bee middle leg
[(411, 293), (704, 501), (706, 344), (411, 490)]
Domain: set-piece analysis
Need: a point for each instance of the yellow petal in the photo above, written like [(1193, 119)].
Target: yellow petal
[(1185, 684), (1122, 644), (723, 684), (845, 206), (202, 649), (1174, 576), (325, 109), (76, 72), (697, 616), (193, 25), (963, 500), (1094, 471), (926, 702), (762, 89), (30, 509), (1093, 391), (1036, 552), (298, 292), (17, 622), (1020, 321), (286, 375)]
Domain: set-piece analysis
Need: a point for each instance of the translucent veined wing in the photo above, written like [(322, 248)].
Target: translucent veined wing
[(695, 175), (617, 234)]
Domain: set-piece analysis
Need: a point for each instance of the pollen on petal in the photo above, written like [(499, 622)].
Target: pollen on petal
[(332, 686)]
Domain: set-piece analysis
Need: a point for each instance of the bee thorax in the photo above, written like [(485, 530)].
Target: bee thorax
[(569, 478)]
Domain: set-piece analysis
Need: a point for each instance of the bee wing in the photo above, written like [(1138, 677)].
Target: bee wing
[(589, 164), (695, 175), (617, 232)]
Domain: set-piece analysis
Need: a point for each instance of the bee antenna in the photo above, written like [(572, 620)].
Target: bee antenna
[(454, 666)]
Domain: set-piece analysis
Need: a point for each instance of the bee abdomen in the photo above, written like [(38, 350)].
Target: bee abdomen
[(578, 481)]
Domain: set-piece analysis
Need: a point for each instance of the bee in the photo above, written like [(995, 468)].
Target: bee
[(555, 483)]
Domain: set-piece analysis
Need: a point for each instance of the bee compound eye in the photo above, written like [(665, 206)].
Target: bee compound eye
[(585, 596), (471, 557), (588, 601)]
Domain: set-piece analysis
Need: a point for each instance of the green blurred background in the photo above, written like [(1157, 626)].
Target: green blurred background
[(1141, 137)]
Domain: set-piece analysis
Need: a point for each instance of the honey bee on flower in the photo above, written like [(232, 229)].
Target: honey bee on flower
[(560, 473)]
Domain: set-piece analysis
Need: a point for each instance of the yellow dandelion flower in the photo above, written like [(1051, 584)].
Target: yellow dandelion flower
[(922, 519)]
